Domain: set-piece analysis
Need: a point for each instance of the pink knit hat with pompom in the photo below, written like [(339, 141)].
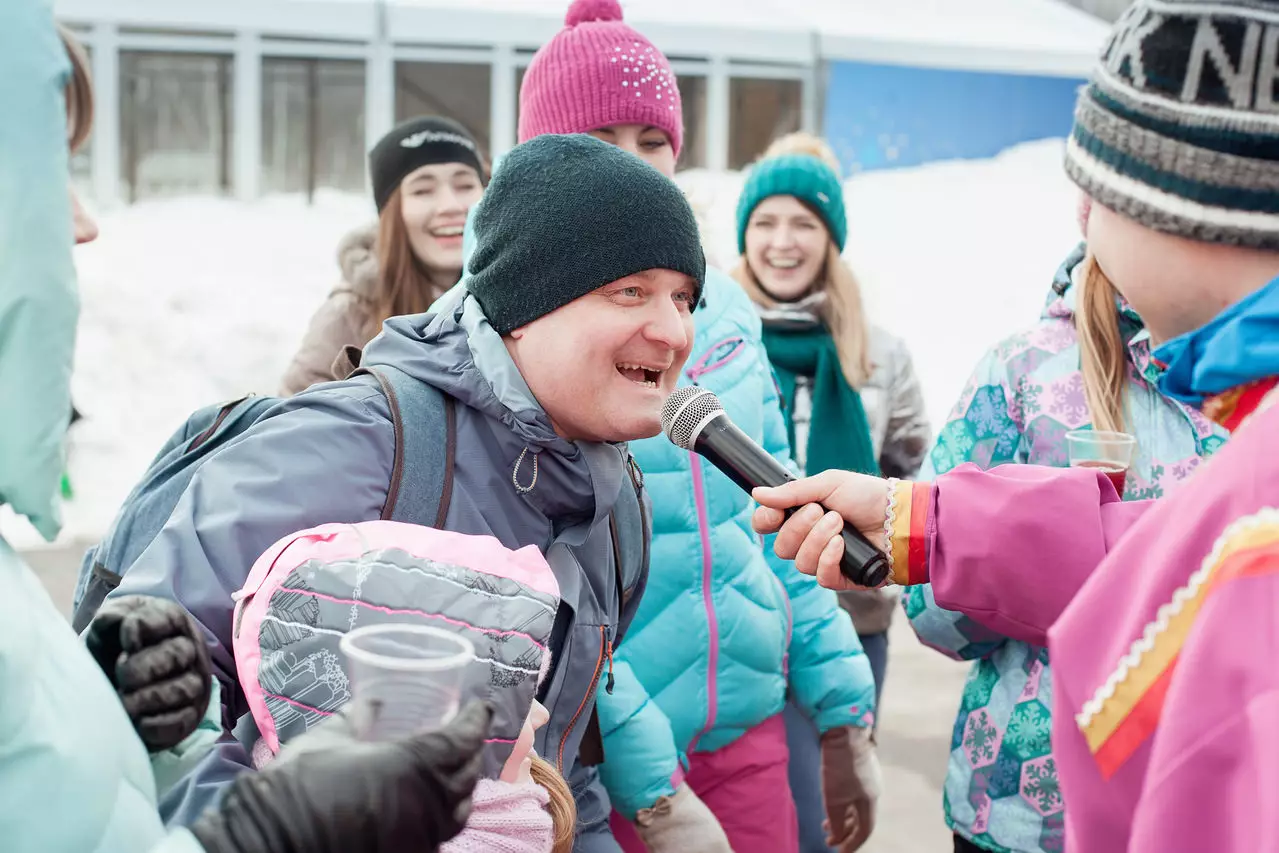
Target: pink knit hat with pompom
[(597, 72)]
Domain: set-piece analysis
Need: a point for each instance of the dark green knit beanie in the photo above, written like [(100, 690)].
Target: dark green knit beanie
[(564, 215), (800, 175)]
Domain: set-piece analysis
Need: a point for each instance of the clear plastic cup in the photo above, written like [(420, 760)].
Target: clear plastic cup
[(404, 679), (1109, 452)]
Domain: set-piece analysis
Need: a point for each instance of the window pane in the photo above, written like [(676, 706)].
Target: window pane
[(312, 125), (519, 83), (459, 91), (692, 91), (759, 112), (175, 123)]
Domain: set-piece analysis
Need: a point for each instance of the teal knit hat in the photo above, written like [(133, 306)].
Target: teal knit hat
[(803, 176)]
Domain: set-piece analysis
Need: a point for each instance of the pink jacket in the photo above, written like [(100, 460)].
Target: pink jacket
[(1163, 632)]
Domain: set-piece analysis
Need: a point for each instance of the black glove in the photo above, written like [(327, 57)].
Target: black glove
[(155, 655), (331, 793)]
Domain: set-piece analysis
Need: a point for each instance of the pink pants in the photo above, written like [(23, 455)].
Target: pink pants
[(745, 786)]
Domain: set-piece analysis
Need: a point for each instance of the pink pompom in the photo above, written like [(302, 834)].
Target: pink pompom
[(584, 11)]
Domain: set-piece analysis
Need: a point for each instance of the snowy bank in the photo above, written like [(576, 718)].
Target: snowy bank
[(194, 301)]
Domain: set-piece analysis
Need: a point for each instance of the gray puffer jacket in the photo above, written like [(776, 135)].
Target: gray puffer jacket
[(326, 455), (901, 436)]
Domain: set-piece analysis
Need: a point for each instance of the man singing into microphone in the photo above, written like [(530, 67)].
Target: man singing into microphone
[(576, 322), (1160, 618)]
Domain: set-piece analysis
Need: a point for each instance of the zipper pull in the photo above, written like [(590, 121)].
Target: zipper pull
[(608, 685)]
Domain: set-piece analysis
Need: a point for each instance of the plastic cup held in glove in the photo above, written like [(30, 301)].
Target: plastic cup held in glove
[(404, 679), (1109, 452)]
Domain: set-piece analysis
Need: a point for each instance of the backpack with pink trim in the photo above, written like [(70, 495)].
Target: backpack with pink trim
[(312, 587)]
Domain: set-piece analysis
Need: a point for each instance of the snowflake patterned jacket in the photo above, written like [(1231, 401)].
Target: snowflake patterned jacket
[(1001, 787)]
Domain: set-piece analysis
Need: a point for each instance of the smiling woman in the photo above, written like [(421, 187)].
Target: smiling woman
[(427, 173), (852, 401)]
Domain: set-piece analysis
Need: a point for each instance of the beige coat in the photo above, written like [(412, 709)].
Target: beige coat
[(342, 319)]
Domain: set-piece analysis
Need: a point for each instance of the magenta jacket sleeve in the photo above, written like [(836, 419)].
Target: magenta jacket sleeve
[(1008, 547)]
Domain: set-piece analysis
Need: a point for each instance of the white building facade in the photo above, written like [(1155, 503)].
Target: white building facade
[(247, 97)]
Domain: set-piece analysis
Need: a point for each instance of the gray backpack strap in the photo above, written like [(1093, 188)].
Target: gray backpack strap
[(425, 423)]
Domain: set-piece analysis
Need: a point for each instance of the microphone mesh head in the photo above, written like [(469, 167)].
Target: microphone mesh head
[(685, 412)]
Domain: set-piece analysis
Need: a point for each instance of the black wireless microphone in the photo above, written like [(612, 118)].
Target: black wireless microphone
[(694, 419)]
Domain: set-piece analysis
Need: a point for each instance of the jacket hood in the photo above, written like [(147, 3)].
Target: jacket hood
[(1060, 303), (350, 575), (457, 351), (1063, 296), (357, 258)]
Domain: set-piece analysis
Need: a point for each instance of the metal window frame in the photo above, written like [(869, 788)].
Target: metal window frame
[(249, 48)]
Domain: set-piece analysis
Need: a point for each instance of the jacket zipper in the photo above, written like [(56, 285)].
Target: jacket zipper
[(708, 599), (590, 695), (620, 581), (606, 645), (694, 373), (608, 685)]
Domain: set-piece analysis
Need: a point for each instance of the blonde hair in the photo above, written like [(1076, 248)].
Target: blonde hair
[(79, 91), (403, 287), (1103, 355), (801, 142), (842, 311), (562, 809)]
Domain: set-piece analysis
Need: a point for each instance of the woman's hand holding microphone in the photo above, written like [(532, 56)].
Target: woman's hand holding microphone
[(810, 536)]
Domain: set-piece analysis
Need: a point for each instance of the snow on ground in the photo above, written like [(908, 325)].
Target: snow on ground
[(194, 301)]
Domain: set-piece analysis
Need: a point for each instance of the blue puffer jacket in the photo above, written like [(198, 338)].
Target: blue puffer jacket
[(708, 654)]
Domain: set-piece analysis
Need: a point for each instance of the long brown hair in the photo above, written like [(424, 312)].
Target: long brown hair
[(1103, 355), (403, 285), (562, 808), (79, 91), (842, 311)]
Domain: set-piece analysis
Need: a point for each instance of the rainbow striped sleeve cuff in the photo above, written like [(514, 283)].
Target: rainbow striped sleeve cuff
[(908, 508)]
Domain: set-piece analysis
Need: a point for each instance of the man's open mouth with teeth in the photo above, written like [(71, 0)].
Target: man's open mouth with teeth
[(649, 377)]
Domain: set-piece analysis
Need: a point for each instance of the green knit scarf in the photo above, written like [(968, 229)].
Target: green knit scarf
[(839, 433)]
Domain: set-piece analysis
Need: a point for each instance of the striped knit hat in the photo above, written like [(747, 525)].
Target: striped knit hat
[(1178, 128)]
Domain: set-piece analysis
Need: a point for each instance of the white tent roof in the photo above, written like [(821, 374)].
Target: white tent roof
[(1034, 36), (752, 30)]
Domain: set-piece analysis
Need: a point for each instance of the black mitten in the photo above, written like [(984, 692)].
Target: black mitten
[(156, 657), (329, 792)]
